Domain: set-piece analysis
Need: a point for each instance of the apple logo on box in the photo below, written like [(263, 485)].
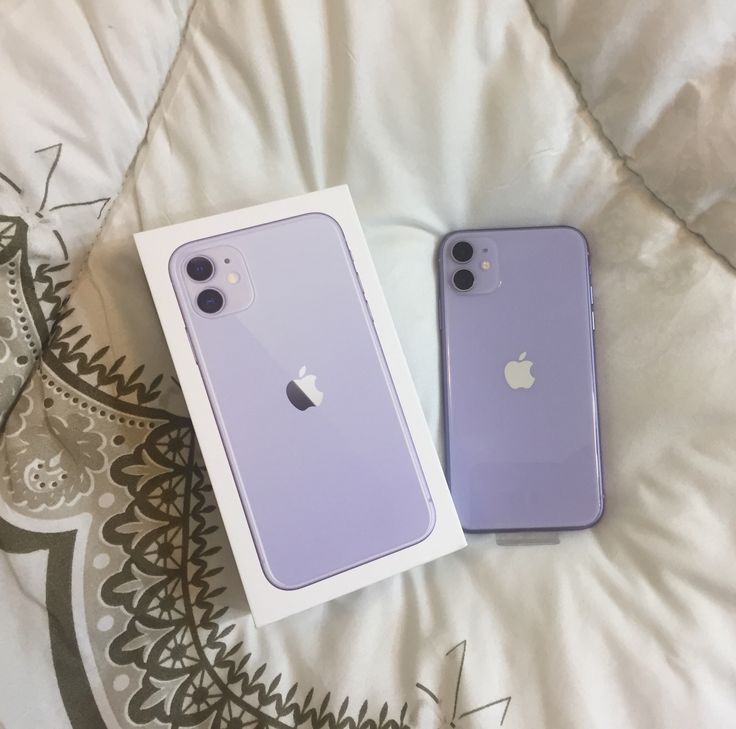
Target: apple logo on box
[(518, 373), (302, 391)]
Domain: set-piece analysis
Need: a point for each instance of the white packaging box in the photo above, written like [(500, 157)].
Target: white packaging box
[(267, 602)]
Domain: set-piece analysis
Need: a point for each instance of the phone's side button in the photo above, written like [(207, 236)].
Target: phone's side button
[(592, 318)]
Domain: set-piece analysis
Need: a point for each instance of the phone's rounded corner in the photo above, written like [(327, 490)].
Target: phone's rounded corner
[(446, 238), (276, 582), (598, 514), (320, 214), (425, 529), (577, 235), (445, 242), (431, 522), (174, 260)]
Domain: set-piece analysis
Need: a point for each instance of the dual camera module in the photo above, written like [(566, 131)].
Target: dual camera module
[(201, 269), (463, 279)]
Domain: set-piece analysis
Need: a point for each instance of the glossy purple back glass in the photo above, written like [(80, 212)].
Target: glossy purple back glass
[(327, 487), (521, 422)]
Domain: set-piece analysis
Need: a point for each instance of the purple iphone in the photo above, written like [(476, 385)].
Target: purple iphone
[(302, 395), (521, 419)]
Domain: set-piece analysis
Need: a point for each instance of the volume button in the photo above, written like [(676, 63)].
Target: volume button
[(592, 307)]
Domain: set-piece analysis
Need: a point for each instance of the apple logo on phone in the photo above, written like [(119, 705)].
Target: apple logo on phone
[(302, 391), (518, 373)]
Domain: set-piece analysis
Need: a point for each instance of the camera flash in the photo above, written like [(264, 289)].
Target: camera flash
[(485, 265), (233, 278)]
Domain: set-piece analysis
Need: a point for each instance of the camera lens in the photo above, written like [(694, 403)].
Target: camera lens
[(210, 301), (200, 268), (462, 251), (463, 280)]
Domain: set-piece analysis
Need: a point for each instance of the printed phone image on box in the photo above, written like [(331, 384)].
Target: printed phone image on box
[(317, 442)]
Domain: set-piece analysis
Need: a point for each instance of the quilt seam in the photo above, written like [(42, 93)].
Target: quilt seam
[(84, 266), (607, 141)]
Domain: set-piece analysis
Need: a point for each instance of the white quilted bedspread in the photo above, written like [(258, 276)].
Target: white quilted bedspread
[(616, 117)]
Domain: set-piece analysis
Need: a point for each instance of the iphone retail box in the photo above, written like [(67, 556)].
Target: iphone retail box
[(315, 442)]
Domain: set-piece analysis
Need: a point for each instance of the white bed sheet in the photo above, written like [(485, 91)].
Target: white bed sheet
[(438, 116)]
